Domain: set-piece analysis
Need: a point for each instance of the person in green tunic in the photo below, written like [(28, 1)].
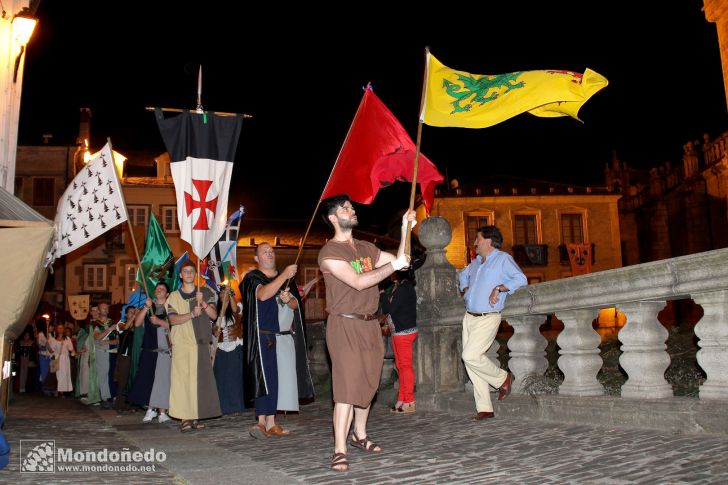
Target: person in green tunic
[(81, 387)]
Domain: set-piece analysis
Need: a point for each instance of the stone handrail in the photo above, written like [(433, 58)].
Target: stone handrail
[(640, 292), (668, 279)]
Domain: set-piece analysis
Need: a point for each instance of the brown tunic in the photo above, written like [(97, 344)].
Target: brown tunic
[(355, 346)]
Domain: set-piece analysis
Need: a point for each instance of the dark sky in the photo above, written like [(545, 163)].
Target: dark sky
[(299, 71)]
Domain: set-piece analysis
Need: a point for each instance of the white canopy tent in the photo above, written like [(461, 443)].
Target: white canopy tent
[(25, 238)]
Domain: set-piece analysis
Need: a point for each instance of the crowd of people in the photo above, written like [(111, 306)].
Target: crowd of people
[(181, 354), (198, 352)]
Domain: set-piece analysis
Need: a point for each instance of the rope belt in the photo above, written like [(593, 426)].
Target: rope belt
[(360, 316)]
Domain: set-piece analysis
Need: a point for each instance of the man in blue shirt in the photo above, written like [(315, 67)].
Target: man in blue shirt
[(486, 281)]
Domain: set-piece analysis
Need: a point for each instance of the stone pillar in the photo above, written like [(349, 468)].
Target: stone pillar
[(644, 356), (580, 360), (527, 349), (439, 315), (712, 330), (318, 357)]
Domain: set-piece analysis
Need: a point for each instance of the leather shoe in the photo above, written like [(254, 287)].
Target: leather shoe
[(505, 388), (483, 415)]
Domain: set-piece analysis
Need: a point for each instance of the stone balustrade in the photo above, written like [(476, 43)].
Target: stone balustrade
[(639, 291)]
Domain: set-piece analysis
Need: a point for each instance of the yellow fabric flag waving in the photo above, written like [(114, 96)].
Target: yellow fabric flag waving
[(460, 99)]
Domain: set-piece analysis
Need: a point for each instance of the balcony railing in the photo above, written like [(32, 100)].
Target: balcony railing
[(531, 254)]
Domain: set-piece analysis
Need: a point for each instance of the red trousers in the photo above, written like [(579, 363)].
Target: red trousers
[(402, 346)]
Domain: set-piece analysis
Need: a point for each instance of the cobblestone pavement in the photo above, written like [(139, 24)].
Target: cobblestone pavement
[(427, 447)]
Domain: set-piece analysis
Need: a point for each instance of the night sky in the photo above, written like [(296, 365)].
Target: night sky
[(300, 75)]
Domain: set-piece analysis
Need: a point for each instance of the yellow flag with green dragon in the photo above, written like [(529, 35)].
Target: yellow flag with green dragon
[(460, 99)]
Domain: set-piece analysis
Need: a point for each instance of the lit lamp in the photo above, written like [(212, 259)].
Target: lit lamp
[(119, 159), (23, 26)]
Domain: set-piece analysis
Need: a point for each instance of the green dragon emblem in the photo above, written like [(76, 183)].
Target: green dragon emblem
[(482, 89)]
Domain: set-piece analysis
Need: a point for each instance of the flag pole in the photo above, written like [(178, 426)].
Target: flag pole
[(407, 244), (199, 276), (237, 234), (199, 91), (180, 110), (128, 221), (318, 204)]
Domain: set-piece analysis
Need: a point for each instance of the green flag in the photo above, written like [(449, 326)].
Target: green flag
[(157, 262)]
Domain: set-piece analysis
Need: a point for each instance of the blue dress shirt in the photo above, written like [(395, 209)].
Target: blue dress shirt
[(481, 277)]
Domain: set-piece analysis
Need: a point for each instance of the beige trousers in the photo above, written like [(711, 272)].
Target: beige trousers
[(478, 336)]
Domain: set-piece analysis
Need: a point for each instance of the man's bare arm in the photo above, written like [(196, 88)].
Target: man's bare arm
[(359, 281), (270, 290)]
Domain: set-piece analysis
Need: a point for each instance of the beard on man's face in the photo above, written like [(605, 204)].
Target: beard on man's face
[(348, 223)]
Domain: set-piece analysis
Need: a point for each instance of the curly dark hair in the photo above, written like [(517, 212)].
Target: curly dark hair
[(329, 206)]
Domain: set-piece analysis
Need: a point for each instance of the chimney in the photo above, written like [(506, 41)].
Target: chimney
[(162, 162), (84, 126)]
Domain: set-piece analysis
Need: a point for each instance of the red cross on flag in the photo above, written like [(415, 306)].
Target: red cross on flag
[(202, 150)]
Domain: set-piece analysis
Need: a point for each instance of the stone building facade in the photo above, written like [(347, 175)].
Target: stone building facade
[(671, 211), (537, 220)]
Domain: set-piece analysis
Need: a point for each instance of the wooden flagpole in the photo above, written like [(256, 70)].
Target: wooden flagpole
[(407, 244), (199, 91), (318, 204), (128, 221), (235, 248), (180, 110)]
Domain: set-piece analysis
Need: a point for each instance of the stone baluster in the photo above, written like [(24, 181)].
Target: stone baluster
[(527, 349), (712, 330), (439, 315), (644, 356), (580, 360)]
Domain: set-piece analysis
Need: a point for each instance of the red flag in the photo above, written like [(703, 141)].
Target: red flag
[(377, 152)]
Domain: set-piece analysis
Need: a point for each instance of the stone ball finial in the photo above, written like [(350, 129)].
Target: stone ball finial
[(435, 233)]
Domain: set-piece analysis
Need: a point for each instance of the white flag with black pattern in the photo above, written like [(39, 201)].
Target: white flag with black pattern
[(89, 207)]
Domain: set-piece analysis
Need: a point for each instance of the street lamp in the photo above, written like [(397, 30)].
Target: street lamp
[(23, 26)]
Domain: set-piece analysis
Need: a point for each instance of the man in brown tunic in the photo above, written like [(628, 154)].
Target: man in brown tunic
[(351, 270)]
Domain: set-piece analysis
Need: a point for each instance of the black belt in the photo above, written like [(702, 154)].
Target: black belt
[(268, 332), (482, 314), (360, 316)]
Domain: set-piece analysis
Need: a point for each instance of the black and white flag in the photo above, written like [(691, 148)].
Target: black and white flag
[(89, 207)]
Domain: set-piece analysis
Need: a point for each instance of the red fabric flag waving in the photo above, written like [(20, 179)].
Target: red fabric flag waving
[(377, 152)]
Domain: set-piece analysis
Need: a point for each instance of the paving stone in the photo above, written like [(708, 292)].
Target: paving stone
[(427, 447)]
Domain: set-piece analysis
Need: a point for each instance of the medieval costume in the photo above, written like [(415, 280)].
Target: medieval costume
[(355, 344), (228, 366), (262, 330), (44, 361), (26, 357), (81, 387), (155, 363), (94, 393), (61, 347), (193, 391)]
